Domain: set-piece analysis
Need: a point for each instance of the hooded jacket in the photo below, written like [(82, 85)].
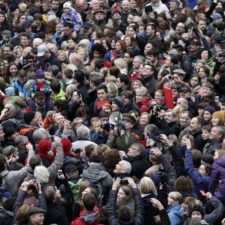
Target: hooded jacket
[(218, 174), (98, 177), (175, 214), (87, 217)]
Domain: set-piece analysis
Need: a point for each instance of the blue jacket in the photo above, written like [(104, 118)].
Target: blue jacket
[(21, 88), (175, 214), (201, 182)]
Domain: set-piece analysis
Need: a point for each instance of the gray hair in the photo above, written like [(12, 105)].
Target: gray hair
[(20, 139), (126, 165), (38, 135), (83, 132), (41, 174)]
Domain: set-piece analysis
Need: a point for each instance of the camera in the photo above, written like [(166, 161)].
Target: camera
[(107, 127), (124, 182), (155, 107), (156, 138)]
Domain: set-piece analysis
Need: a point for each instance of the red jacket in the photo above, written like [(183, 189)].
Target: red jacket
[(87, 218), (144, 105)]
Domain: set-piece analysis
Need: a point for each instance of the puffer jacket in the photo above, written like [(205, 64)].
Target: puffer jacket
[(175, 214), (218, 174)]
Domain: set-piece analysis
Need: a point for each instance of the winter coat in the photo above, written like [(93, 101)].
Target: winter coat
[(201, 182), (87, 217), (139, 165), (149, 210), (55, 214), (119, 142), (112, 217), (218, 176), (175, 214), (100, 178), (144, 105)]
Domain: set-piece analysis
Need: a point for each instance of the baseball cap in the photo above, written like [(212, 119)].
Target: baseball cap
[(42, 49)]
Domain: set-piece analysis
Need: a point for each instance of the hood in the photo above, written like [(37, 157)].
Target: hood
[(176, 210), (90, 218), (144, 101), (221, 162), (94, 174)]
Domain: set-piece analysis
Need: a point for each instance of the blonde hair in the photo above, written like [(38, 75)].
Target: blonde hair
[(121, 64), (147, 186), (176, 196)]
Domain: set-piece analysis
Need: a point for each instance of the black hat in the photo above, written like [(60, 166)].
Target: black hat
[(148, 8), (198, 208), (70, 168), (87, 25), (28, 117), (96, 159), (9, 131), (34, 210), (118, 101), (207, 159)]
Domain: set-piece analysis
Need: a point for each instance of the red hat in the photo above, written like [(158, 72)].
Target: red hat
[(67, 145), (43, 147)]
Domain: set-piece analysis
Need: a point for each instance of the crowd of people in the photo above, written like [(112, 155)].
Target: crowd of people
[(112, 112)]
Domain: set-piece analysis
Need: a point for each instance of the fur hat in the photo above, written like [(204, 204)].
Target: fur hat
[(220, 115), (130, 118)]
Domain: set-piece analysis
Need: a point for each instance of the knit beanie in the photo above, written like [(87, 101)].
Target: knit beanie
[(40, 74), (118, 101), (28, 117), (220, 115), (67, 5), (210, 109), (198, 208)]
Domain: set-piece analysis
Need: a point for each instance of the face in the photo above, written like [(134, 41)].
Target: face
[(201, 73), (196, 215), (169, 117), (127, 40), (37, 218), (144, 119), (205, 135), (215, 121), (40, 101), (139, 97), (202, 170), (205, 55), (102, 95), (22, 19), (136, 63), (128, 125), (180, 28), (66, 10), (202, 25), (24, 41), (99, 16), (194, 124), (214, 134), (207, 116), (132, 151), (6, 51), (147, 71), (130, 31), (2, 18), (194, 81), (149, 30), (147, 48), (13, 70), (55, 5), (184, 119), (118, 46), (130, 18), (121, 195), (119, 168), (207, 91), (170, 201)]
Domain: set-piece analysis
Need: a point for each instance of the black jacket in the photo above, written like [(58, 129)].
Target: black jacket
[(112, 217), (55, 214)]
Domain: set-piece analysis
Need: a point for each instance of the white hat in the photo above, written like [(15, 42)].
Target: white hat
[(41, 50), (67, 5)]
